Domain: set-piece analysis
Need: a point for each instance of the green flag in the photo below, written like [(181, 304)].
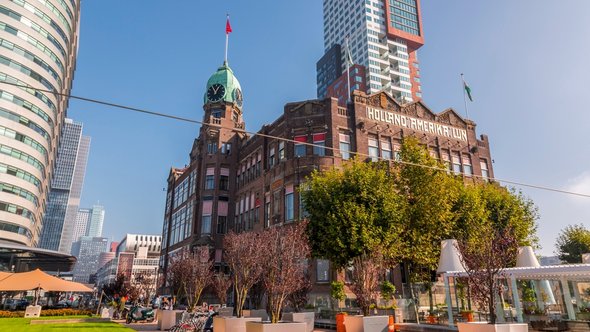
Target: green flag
[(468, 90)]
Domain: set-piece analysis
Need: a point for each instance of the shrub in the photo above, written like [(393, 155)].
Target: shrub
[(48, 313)]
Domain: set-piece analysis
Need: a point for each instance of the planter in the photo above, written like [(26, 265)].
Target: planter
[(301, 317), (467, 316), (366, 323), (168, 319), (431, 319), (583, 315), (278, 327), (226, 312), (340, 317), (232, 324), (256, 313), (484, 327)]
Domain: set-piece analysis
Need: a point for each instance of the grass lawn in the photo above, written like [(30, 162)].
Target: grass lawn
[(23, 324)]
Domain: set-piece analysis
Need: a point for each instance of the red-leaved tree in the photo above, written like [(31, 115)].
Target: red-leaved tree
[(191, 274), (485, 257), (286, 252), (365, 273), (221, 283), (246, 259)]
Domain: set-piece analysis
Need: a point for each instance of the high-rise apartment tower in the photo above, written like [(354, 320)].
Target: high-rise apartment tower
[(383, 36), (66, 188), (38, 47)]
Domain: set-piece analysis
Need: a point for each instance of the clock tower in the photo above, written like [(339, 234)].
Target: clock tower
[(214, 157)]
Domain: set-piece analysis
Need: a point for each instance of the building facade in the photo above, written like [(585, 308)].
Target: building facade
[(243, 183), (383, 37), (88, 222), (38, 48), (66, 188), (87, 250), (136, 257)]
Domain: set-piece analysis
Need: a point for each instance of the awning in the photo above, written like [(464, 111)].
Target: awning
[(573, 272), (38, 279)]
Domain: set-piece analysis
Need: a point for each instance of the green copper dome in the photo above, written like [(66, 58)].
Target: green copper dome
[(223, 86)]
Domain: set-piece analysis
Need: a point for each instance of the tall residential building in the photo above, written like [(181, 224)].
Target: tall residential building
[(88, 222), (38, 48), (383, 36), (66, 188), (87, 250)]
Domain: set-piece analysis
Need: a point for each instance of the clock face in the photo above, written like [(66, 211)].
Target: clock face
[(238, 97), (215, 92)]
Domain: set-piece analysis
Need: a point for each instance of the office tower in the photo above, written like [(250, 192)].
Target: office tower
[(88, 222), (39, 42), (94, 227), (66, 188), (383, 37), (87, 250), (81, 223)]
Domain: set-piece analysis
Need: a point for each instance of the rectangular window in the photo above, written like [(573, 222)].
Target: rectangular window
[(225, 148), (319, 141), (206, 224), (224, 182), (323, 270), (212, 147), (345, 146), (373, 148), (467, 169), (300, 149), (276, 201), (396, 152), (267, 212), (210, 182), (485, 173), (258, 167), (433, 153), (456, 163), (221, 224), (386, 148), (271, 157), (281, 150), (289, 204)]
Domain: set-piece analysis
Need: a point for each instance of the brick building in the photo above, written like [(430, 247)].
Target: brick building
[(241, 182)]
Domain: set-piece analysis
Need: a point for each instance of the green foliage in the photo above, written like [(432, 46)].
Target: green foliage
[(429, 196), (491, 206), (572, 242), (352, 212), (387, 290), (337, 291)]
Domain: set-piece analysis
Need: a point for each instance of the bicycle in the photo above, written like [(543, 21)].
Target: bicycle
[(198, 322)]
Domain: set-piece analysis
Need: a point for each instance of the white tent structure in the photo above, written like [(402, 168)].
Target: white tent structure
[(450, 266)]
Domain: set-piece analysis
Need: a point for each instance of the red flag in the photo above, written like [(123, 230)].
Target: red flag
[(227, 27)]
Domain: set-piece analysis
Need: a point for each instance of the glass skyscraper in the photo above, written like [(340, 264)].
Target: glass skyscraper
[(38, 47), (66, 188), (88, 222)]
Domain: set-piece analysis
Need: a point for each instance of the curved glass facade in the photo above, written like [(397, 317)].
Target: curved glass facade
[(38, 46)]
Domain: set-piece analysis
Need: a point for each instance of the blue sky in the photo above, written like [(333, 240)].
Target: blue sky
[(526, 62)]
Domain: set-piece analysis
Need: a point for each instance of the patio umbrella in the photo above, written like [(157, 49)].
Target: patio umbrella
[(38, 279), (4, 274)]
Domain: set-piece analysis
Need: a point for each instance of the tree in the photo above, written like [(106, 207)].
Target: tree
[(365, 274), (145, 282), (286, 252), (485, 255), (190, 274), (337, 292), (572, 242), (246, 261), (221, 283), (499, 206), (352, 211), (429, 196)]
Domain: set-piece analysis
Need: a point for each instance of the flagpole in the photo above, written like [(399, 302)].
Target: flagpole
[(348, 70), (464, 96), (226, 41)]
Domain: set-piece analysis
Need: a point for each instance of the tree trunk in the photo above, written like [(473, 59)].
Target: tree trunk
[(491, 301)]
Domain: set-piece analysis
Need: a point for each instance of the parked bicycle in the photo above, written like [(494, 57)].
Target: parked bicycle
[(197, 322)]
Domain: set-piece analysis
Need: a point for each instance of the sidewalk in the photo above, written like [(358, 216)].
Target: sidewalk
[(145, 327)]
